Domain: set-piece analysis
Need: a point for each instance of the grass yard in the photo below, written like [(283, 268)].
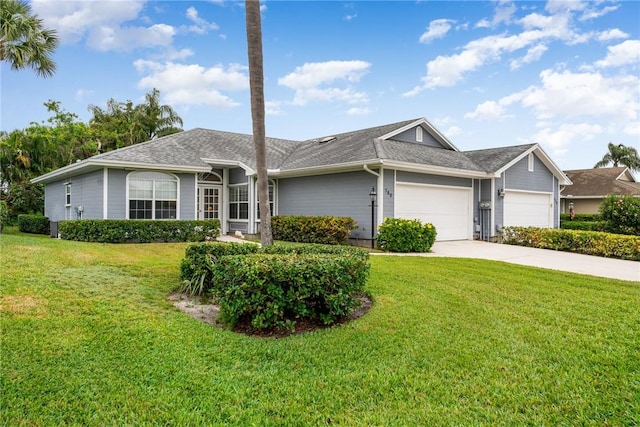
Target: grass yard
[(88, 338)]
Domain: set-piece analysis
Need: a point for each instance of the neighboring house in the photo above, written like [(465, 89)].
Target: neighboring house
[(415, 171), (591, 186)]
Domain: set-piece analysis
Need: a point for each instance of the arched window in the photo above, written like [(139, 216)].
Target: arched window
[(152, 195)]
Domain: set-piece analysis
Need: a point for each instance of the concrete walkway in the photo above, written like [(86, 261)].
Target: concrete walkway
[(544, 258)]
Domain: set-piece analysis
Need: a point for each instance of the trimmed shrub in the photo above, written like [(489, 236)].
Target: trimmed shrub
[(276, 290), (405, 235), (138, 231), (584, 242), (580, 217), (328, 230), (196, 268), (622, 214), (32, 223), (583, 225)]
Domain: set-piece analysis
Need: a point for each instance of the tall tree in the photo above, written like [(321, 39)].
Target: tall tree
[(24, 42), (620, 155), (122, 124), (256, 85)]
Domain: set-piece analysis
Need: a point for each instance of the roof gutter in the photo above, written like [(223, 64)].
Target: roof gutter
[(374, 173)]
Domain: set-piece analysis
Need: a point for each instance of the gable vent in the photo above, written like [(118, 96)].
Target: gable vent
[(327, 139)]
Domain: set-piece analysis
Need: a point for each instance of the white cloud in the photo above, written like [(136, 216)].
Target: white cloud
[(558, 140), (568, 94), (349, 18), (356, 111), (627, 52), (74, 19), (488, 110), (319, 81), (129, 38), (533, 54), (82, 93), (503, 13), (612, 34), (193, 84), (273, 108), (437, 29), (201, 26)]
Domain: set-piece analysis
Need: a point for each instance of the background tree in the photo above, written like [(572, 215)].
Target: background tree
[(24, 42), (620, 155), (256, 85), (121, 124)]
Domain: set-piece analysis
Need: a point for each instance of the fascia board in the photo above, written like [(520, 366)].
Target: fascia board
[(436, 170), (221, 162), (89, 164), (324, 170), (431, 129)]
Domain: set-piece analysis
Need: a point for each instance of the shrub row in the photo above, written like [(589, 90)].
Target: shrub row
[(622, 214), (584, 242), (138, 231), (580, 217), (584, 225), (279, 284), (33, 223), (328, 230), (405, 235)]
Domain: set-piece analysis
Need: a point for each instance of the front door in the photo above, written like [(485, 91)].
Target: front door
[(209, 201)]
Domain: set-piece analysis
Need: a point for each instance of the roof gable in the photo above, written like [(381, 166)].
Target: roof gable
[(600, 182)]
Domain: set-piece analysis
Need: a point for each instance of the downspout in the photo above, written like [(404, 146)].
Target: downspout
[(379, 186)]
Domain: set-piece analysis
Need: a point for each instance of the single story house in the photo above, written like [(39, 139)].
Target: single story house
[(414, 171), (591, 186)]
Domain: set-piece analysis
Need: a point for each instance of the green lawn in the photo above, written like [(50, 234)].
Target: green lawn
[(88, 338)]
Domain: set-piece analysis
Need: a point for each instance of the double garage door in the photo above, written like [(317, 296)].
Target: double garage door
[(447, 208)]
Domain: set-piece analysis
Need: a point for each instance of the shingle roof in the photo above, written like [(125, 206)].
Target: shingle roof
[(493, 159), (601, 182)]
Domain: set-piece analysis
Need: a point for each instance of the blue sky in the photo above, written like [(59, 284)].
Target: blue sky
[(565, 74)]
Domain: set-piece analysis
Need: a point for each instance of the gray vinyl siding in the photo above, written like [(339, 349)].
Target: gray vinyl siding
[(556, 199), (518, 177), (419, 178), (344, 194), (482, 193), (410, 136), (117, 194), (388, 193), (86, 191), (54, 201), (237, 176), (187, 196)]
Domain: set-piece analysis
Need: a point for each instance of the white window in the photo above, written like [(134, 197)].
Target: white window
[(67, 194), (271, 199), (531, 162), (419, 134), (152, 195), (239, 201)]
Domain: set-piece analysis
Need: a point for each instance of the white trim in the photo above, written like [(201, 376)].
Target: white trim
[(436, 170), (544, 158), (380, 198), (220, 162), (513, 190), (531, 162), (225, 201), (494, 203), (430, 128), (327, 170), (419, 132), (153, 208), (105, 193), (196, 214)]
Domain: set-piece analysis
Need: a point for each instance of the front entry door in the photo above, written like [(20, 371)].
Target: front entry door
[(209, 201)]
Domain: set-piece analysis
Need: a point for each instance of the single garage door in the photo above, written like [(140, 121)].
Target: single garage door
[(447, 208), (524, 209)]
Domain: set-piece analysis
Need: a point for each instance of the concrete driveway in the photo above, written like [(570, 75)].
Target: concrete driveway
[(544, 258)]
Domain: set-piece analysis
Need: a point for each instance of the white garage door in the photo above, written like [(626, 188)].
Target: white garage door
[(528, 209), (447, 208)]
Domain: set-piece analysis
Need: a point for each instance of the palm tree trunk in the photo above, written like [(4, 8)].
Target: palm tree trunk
[(256, 85)]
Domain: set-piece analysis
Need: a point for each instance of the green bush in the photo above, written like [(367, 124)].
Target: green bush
[(196, 268), (4, 214), (622, 214), (405, 235), (584, 242), (584, 225), (580, 217), (141, 231), (328, 230), (272, 290), (32, 223)]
